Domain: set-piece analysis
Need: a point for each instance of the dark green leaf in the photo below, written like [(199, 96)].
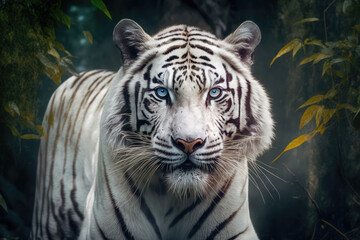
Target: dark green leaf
[(3, 203), (101, 5)]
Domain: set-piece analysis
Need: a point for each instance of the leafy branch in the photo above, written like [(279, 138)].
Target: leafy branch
[(340, 67)]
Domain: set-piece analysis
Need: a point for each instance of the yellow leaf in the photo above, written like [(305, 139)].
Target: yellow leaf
[(30, 136), (308, 59), (287, 48), (54, 53), (321, 56), (312, 100), (297, 47), (319, 116), (306, 20), (308, 115), (13, 130), (12, 109), (40, 130), (327, 65), (327, 114), (331, 93), (314, 42), (88, 36), (295, 143)]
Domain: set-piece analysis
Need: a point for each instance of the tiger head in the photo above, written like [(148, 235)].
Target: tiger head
[(186, 107)]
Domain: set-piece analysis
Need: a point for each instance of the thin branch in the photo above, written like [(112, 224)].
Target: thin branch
[(305, 189), (325, 17), (337, 230)]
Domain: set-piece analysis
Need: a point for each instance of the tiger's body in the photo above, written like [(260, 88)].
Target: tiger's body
[(158, 150)]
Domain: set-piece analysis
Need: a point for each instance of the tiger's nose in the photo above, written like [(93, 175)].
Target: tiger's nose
[(188, 147)]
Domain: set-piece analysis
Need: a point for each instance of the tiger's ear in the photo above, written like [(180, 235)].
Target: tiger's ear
[(131, 39), (245, 39)]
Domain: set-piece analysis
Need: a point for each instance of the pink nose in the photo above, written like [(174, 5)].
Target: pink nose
[(189, 147)]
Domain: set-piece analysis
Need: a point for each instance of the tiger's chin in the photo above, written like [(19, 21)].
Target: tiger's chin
[(188, 184)]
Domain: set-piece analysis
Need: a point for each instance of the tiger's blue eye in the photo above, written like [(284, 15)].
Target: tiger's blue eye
[(162, 92), (215, 92)]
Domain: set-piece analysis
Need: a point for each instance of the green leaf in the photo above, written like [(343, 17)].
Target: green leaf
[(306, 20), (308, 115), (61, 17), (312, 100), (101, 5), (30, 136), (13, 130), (3, 203), (295, 143), (287, 48), (12, 109), (88, 36)]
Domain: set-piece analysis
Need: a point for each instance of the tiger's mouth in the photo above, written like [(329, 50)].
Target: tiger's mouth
[(189, 166)]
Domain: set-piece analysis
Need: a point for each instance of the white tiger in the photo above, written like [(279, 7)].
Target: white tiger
[(158, 150)]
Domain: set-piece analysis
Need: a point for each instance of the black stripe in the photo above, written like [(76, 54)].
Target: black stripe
[(73, 225), (235, 236), (173, 57), (143, 206), (205, 58), (223, 224), (99, 228), (209, 210), (167, 36), (85, 77), (118, 214), (172, 48), (184, 212), (205, 49), (232, 63), (250, 118), (171, 31), (150, 217), (204, 41), (202, 35)]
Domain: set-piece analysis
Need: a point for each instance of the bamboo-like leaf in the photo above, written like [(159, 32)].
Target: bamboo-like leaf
[(295, 143), (13, 130), (101, 5), (3, 203), (30, 136), (328, 114), (308, 59), (296, 48), (312, 100), (58, 46), (40, 130), (337, 60), (319, 116), (331, 93), (306, 20), (52, 51), (61, 17), (88, 36), (327, 65), (308, 115), (320, 57), (12, 109), (314, 42), (287, 48)]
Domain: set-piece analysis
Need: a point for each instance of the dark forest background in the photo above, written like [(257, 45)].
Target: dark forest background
[(310, 192)]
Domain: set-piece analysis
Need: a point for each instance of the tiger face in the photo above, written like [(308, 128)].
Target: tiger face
[(194, 97)]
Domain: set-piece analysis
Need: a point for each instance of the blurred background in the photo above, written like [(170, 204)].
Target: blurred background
[(311, 192)]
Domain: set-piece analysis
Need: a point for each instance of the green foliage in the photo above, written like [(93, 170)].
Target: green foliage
[(29, 50), (101, 5), (340, 71)]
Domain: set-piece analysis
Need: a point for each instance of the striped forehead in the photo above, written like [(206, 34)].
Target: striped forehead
[(188, 54)]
